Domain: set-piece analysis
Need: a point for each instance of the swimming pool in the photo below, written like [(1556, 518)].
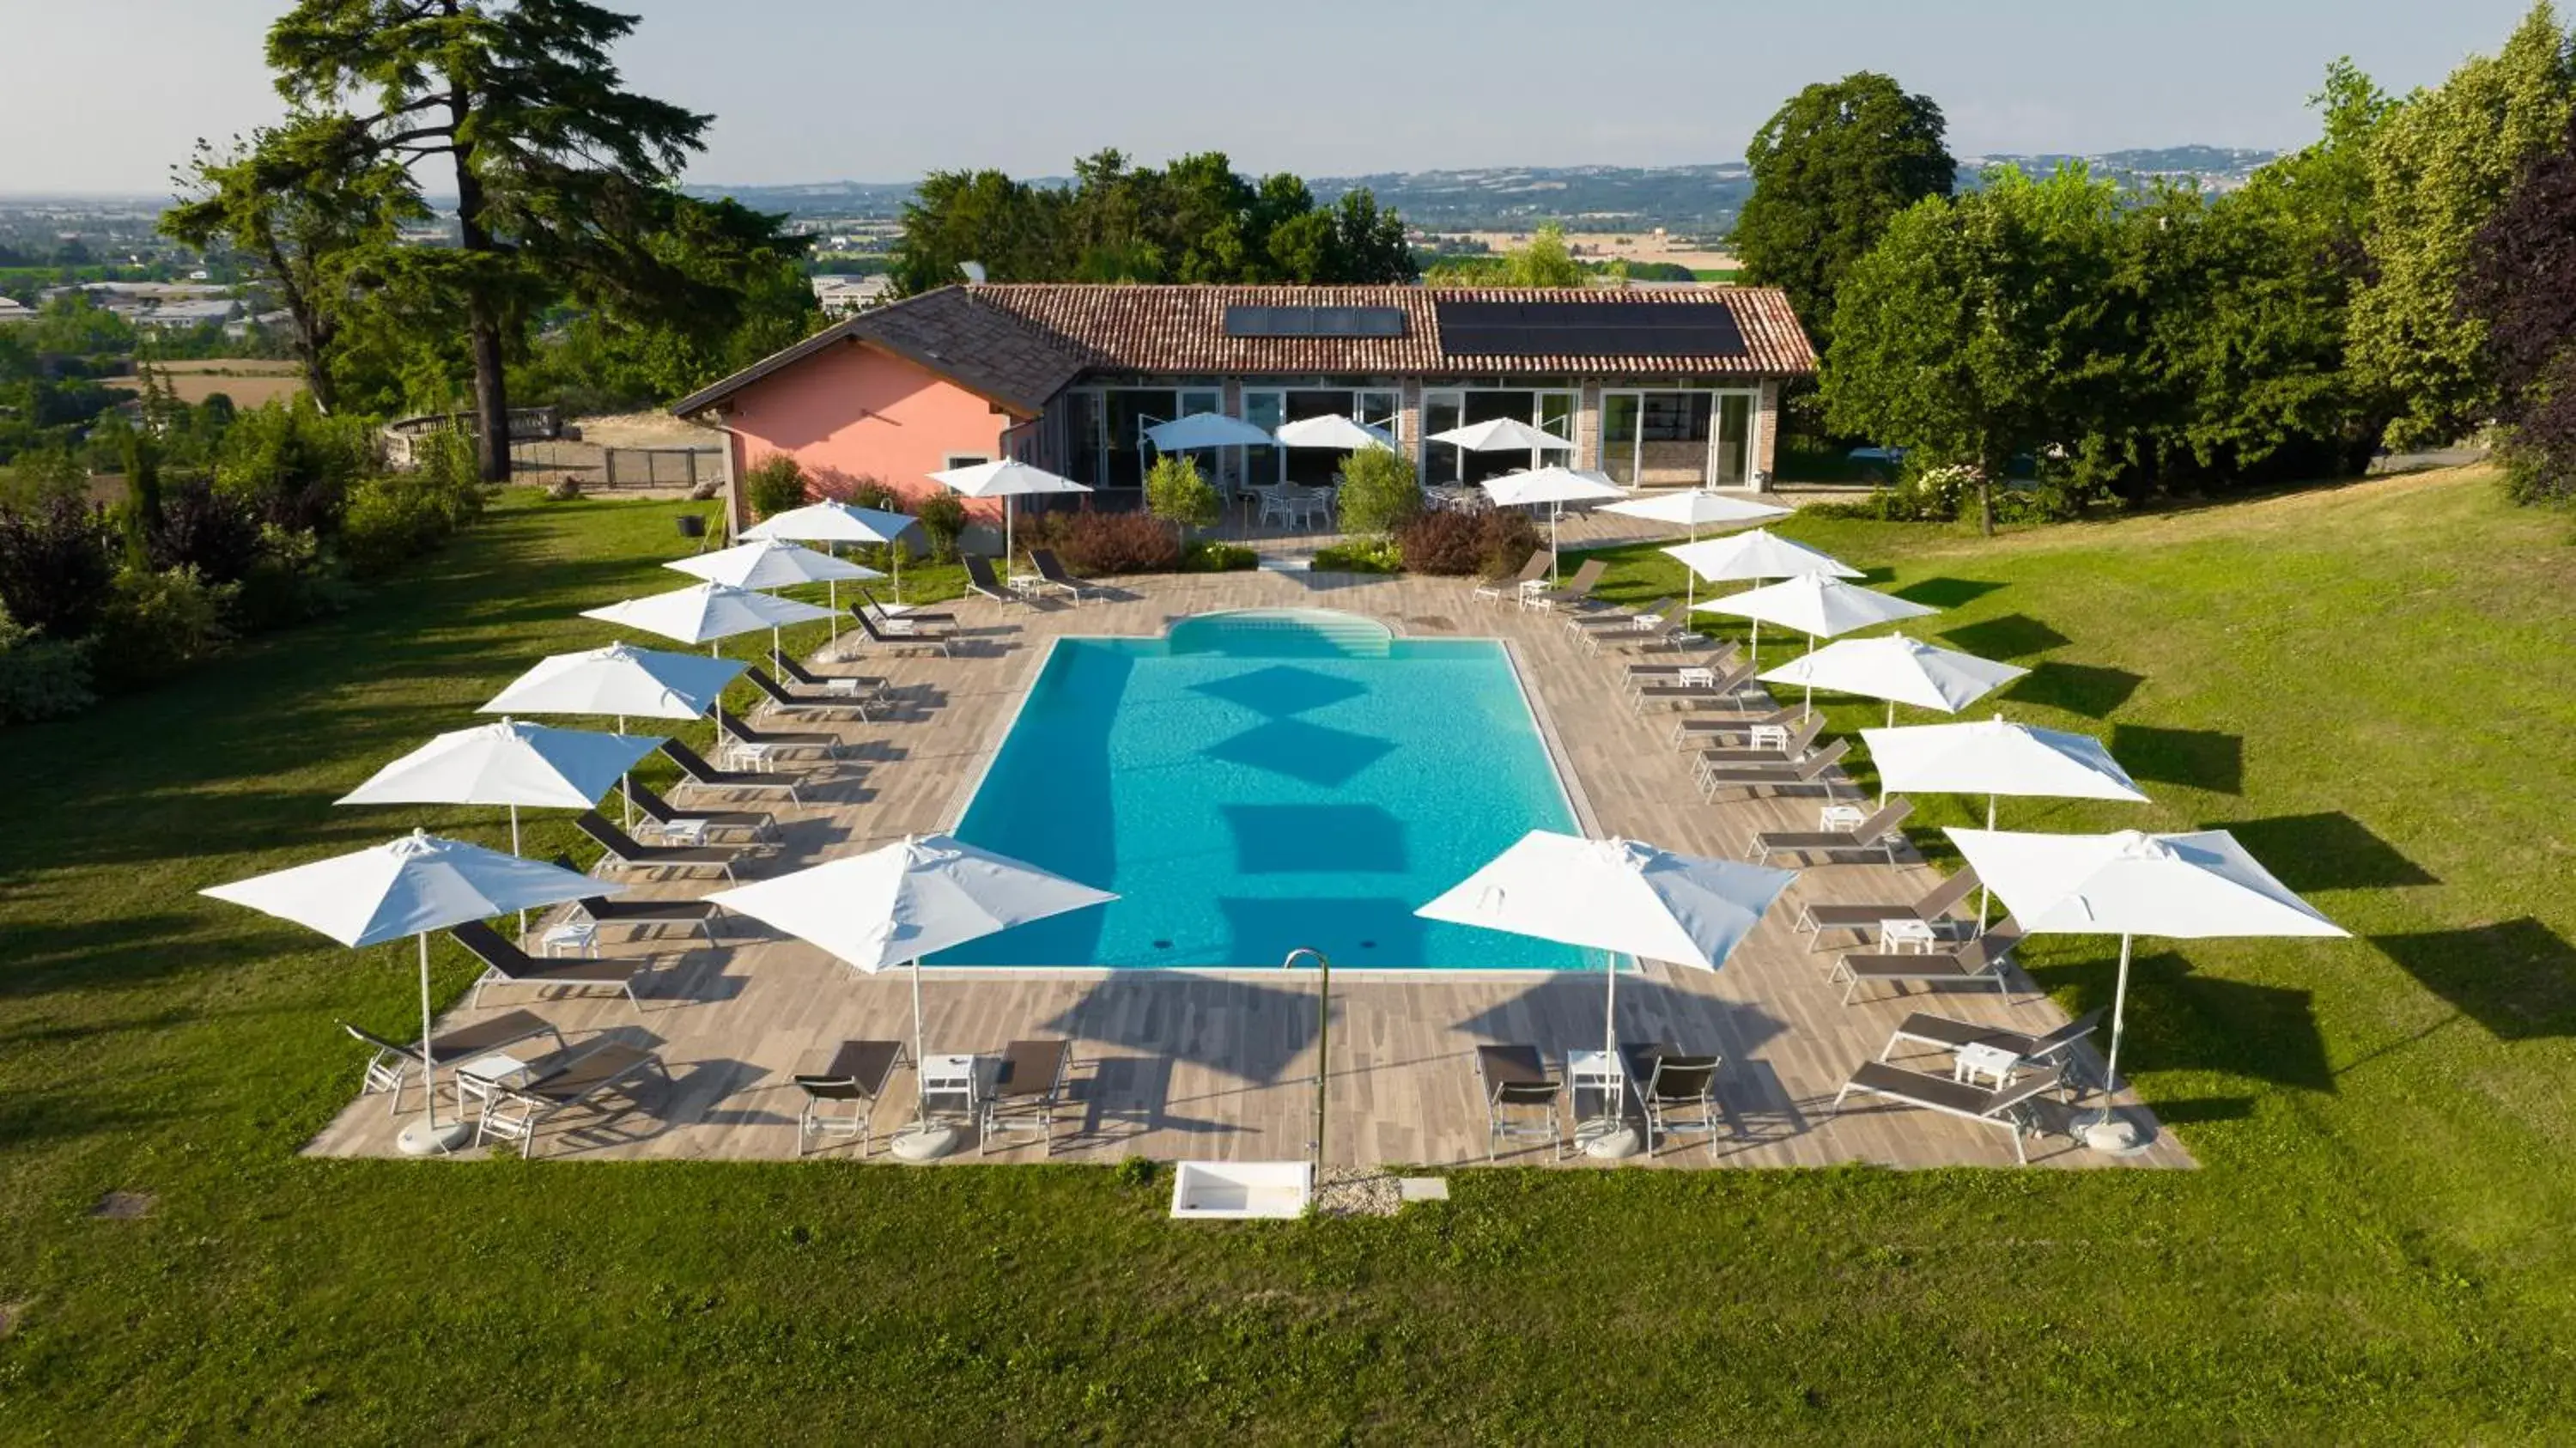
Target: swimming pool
[(1259, 781)]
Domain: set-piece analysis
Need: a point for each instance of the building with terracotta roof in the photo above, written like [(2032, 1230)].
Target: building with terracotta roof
[(1672, 387)]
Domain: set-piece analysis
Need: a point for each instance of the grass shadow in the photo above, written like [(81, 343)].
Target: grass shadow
[(2181, 1019), (2086, 690), (2517, 978), (2199, 758), (2013, 636), (2325, 851), (1947, 592)]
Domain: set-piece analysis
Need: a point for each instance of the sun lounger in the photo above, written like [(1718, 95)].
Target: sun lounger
[(1532, 572), (707, 776), (1881, 831), (2006, 1106), (2055, 1048), (1794, 742), (1720, 659), (1753, 776), (858, 1074), (1978, 962), (908, 616), (778, 741), (1702, 728), (1576, 589), (506, 964), (1520, 1098), (625, 851), (981, 579), (560, 1083), (1609, 618), (1051, 574), (1679, 1091), (664, 815), (861, 685), (1696, 686), (393, 1065), (1817, 918), (903, 632), (1026, 1092), (788, 701), (602, 910)]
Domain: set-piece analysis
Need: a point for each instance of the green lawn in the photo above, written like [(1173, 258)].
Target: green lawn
[(2373, 685)]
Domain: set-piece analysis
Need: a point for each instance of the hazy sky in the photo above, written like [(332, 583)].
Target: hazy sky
[(104, 95)]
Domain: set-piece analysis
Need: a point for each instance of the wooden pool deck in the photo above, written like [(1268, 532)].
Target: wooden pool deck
[(1186, 1065)]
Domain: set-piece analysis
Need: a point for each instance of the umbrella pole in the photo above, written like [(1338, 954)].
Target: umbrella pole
[(1981, 884), (514, 849), (428, 1056), (626, 785), (2119, 1013), (832, 595), (1009, 511), (920, 1103)]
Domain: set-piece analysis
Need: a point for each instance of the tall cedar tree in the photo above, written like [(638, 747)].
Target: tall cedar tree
[(1830, 169), (2522, 284), (556, 166)]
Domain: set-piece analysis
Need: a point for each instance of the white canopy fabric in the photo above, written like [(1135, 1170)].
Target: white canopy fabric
[(1554, 486), (1333, 431), (707, 612), (1699, 508), (410, 886), (511, 762), (1619, 896), (1502, 434), (1996, 756), (1818, 606), (830, 522), (1205, 429), (620, 681), (1900, 670), (1006, 479), (770, 563), (1758, 554)]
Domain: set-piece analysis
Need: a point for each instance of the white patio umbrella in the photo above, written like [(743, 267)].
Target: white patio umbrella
[(1619, 896), (2195, 886), (1335, 431), (830, 522), (1817, 605), (708, 613), (510, 763), (1193, 431), (1698, 508), (1502, 434), (410, 886), (1749, 558), (621, 682), (1006, 479), (767, 563), (1898, 669), (1555, 487), (1996, 757), (902, 901)]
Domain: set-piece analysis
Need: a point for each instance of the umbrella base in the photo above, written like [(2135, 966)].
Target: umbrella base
[(2114, 1135), (1605, 1140), (923, 1143), (419, 1139)]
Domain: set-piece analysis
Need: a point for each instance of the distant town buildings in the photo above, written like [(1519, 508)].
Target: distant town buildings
[(159, 304)]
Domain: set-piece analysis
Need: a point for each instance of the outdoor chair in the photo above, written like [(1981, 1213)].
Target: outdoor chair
[(741, 737), (1753, 776), (857, 1074), (1881, 831), (667, 817), (1785, 743), (1026, 1092), (1607, 619), (787, 701), (1679, 1092), (980, 578), (866, 685), (1817, 918), (1520, 1098), (1690, 728), (506, 964), (908, 616), (560, 1083), (602, 910), (1532, 572), (2006, 1106), (1977, 962), (624, 851), (1700, 685), (904, 631), (392, 1066), (2055, 1048), (1051, 574), (707, 776), (1717, 661), (1576, 590)]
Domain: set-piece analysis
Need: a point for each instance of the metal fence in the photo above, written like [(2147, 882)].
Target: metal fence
[(660, 467)]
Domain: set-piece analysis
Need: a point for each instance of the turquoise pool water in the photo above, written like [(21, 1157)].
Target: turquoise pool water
[(1258, 782)]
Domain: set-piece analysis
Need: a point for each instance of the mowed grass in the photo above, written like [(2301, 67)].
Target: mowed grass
[(2372, 685)]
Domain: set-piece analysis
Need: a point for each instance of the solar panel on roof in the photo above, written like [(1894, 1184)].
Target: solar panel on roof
[(1588, 329), (1314, 321)]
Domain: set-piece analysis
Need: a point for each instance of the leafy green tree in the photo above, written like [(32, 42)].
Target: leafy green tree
[(1015, 230), (515, 103), (1831, 169), (1979, 329), (2440, 166), (1546, 262), (1380, 493), (2522, 286), (1179, 494)]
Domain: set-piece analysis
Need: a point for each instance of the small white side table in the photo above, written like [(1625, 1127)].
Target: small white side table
[(1837, 817), (573, 937), (1917, 936), (1983, 1065)]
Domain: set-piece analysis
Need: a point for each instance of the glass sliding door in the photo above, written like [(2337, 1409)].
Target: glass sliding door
[(1732, 463), (1619, 426), (1441, 411), (1265, 408)]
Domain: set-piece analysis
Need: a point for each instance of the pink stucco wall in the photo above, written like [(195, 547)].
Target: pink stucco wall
[(852, 411)]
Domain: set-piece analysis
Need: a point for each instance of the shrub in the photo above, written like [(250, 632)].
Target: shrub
[(1494, 543), (773, 485), (943, 517), (1179, 494), (295, 466), (392, 519), (57, 566), (217, 533), (1109, 543), (1380, 493), (1360, 555), (1505, 538), (159, 622), (1218, 558), (291, 581), (40, 677)]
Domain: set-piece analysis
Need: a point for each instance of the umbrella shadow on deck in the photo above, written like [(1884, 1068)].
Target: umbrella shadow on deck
[(1238, 1028)]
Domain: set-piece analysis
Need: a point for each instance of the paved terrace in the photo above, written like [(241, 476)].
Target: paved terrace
[(1176, 1064)]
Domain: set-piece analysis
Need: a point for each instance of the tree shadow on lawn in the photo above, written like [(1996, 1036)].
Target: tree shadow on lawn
[(2182, 1020), (2013, 636), (2089, 691), (2517, 978), (127, 952), (2199, 758), (2325, 851)]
